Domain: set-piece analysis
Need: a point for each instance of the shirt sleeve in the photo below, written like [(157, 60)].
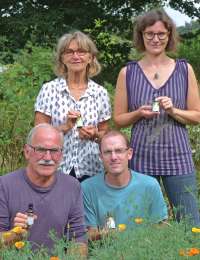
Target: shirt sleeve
[(4, 211), (44, 99), (89, 211), (105, 108), (76, 228), (158, 208)]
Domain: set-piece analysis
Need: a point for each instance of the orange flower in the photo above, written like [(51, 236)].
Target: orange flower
[(138, 220), (54, 258), (19, 244), (121, 227), (18, 230), (195, 230), (193, 251)]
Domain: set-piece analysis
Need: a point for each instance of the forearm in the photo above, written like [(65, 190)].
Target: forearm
[(185, 116), (127, 119), (63, 128)]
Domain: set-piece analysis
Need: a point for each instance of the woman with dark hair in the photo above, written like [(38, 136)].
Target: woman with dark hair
[(158, 96), (76, 105)]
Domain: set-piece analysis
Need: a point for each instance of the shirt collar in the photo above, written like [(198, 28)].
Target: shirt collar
[(90, 91)]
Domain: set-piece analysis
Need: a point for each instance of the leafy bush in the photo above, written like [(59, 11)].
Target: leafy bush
[(19, 85)]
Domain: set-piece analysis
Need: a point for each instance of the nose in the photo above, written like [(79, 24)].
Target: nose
[(155, 38), (75, 54), (47, 155), (113, 155)]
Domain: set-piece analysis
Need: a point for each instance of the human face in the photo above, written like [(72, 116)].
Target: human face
[(115, 155), (42, 164), (75, 58), (158, 43)]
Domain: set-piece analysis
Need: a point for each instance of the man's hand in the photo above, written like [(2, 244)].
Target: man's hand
[(20, 220)]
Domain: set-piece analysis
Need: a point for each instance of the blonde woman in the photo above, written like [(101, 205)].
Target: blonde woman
[(76, 105)]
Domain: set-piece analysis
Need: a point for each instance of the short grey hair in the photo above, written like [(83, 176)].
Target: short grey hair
[(84, 42), (42, 125)]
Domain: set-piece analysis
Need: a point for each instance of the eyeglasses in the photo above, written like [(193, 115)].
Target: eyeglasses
[(118, 151), (151, 35), (41, 151), (79, 52)]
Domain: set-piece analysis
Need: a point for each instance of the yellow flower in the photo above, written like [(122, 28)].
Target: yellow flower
[(182, 252), (121, 227), (138, 220), (18, 230), (195, 230), (19, 244), (6, 235)]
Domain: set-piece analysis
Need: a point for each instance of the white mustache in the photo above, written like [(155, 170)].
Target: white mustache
[(46, 162)]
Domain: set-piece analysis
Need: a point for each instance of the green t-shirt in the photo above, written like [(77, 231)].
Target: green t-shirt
[(141, 198)]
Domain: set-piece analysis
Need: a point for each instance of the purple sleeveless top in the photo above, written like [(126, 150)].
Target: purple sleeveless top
[(161, 144)]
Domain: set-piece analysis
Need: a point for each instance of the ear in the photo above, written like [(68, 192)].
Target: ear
[(26, 152), (130, 153)]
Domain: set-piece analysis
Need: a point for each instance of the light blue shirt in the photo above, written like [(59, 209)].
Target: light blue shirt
[(141, 198)]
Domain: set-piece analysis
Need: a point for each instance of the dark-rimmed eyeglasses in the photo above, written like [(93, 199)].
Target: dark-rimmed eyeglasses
[(117, 151), (42, 151), (71, 52), (160, 35)]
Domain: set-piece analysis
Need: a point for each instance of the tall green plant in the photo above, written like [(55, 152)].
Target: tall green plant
[(19, 85)]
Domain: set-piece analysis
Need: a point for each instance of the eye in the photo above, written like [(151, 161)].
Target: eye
[(149, 34), (119, 151), (81, 51), (68, 51)]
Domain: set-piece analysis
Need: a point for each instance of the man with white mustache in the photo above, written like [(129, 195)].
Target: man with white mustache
[(55, 198)]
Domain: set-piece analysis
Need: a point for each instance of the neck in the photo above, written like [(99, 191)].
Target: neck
[(154, 60), (120, 179), (40, 181), (76, 78)]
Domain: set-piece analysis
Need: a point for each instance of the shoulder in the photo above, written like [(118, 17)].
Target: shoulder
[(95, 86), (144, 179), (129, 66), (92, 182), (55, 83), (11, 179), (67, 181), (122, 72)]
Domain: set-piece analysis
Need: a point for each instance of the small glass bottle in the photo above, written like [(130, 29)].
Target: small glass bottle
[(155, 106), (30, 215), (110, 222), (79, 122)]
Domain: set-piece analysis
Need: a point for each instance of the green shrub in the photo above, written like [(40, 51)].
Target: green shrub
[(19, 86)]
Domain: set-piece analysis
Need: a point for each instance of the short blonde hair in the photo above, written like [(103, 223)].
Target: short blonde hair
[(149, 19), (84, 42)]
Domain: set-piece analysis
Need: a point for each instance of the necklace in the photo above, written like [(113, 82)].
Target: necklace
[(156, 76)]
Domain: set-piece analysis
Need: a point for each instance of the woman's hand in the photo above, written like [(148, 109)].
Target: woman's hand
[(166, 104), (71, 121), (88, 132), (146, 112)]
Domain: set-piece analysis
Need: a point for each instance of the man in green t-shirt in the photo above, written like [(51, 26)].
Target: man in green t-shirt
[(120, 196)]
